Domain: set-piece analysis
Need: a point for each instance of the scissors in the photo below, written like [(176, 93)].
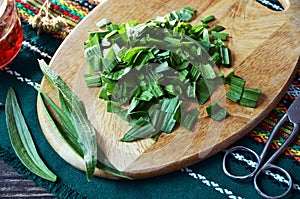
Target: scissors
[(263, 164)]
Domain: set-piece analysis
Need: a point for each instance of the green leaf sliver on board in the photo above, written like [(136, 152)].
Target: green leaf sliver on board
[(239, 93), (21, 139)]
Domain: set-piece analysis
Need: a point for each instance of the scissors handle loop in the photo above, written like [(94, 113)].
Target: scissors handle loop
[(239, 149), (264, 171)]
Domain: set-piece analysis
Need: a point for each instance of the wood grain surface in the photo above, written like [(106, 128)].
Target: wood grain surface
[(15, 185), (265, 47)]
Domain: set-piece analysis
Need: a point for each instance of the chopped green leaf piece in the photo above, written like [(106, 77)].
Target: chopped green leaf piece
[(228, 78), (170, 89), (183, 74), (235, 93), (113, 107), (216, 57), (145, 96), (215, 111), (93, 57), (170, 105), (250, 97), (155, 137), (216, 35), (168, 123), (236, 89), (189, 119), (237, 81), (204, 89), (141, 129), (194, 73), (207, 71), (208, 18), (191, 90), (162, 67), (217, 28), (110, 61), (225, 55), (92, 80), (103, 93), (206, 36), (103, 22)]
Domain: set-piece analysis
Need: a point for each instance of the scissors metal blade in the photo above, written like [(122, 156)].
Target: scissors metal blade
[(294, 111)]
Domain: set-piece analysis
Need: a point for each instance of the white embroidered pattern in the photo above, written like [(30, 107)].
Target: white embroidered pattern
[(36, 49), (293, 90), (18, 75), (253, 164), (20, 78), (209, 183), (267, 3)]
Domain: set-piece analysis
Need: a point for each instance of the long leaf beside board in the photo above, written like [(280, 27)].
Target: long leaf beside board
[(21, 139), (86, 132), (69, 138), (74, 126)]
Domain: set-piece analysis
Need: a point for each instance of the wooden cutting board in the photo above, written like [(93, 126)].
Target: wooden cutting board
[(265, 45)]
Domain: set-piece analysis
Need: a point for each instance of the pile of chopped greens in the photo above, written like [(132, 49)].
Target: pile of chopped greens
[(152, 72)]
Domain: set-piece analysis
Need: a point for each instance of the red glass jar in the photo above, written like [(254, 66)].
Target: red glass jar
[(11, 34)]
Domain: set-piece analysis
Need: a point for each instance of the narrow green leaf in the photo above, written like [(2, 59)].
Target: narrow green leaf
[(111, 170), (85, 130), (72, 141), (69, 137), (21, 139), (63, 114)]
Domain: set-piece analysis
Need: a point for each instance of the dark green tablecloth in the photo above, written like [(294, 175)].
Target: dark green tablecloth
[(203, 180)]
